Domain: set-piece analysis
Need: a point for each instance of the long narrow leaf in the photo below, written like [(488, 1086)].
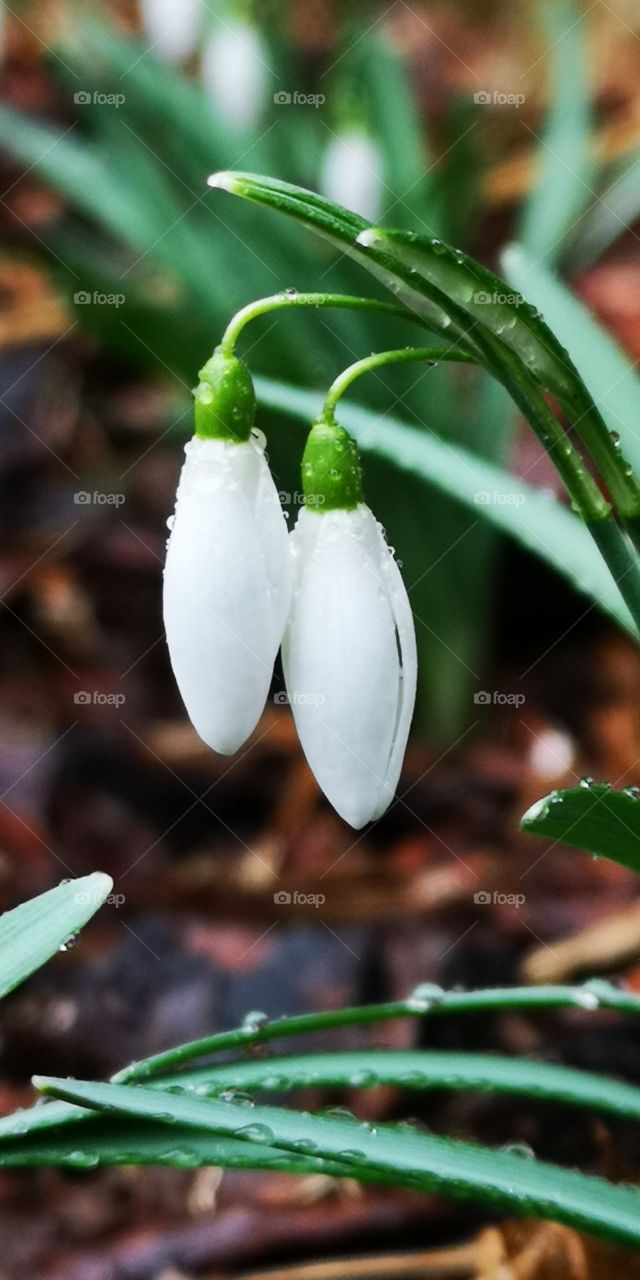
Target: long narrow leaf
[(564, 166), (31, 933), (607, 371), (419, 1069), (401, 1157)]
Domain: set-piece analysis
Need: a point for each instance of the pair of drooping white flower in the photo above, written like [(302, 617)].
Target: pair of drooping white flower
[(238, 585)]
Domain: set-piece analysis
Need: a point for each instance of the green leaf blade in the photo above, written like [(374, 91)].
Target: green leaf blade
[(418, 1069), (607, 371), (33, 932), (397, 1155), (593, 817)]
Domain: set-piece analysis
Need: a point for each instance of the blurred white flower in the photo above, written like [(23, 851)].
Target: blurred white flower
[(352, 173), (235, 73), (227, 587), (350, 659), (172, 27)]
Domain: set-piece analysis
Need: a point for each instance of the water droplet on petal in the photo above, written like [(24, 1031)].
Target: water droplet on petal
[(259, 439)]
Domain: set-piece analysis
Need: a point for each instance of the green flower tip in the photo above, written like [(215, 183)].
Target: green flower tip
[(224, 180), (331, 474), (225, 401)]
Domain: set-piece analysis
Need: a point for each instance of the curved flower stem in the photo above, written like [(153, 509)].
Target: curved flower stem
[(291, 298), (612, 542), (622, 560), (432, 355), (425, 1002)]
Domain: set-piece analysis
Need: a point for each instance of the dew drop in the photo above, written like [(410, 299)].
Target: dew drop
[(254, 1022), (69, 943), (521, 1149), (255, 1133), (351, 1156), (82, 1159), (363, 1079), (586, 999), (425, 996), (304, 1146), (340, 1113), (259, 438), (238, 1097)]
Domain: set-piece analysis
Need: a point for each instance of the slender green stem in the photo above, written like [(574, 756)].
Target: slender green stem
[(425, 1002), (622, 561), (605, 451), (432, 355), (291, 298), (586, 498)]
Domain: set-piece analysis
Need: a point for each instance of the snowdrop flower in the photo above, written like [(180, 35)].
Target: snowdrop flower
[(351, 173), (227, 580), (235, 73), (349, 649), (172, 27)]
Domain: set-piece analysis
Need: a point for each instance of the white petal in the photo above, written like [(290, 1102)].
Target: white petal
[(406, 636), (225, 588), (234, 73), (352, 173), (341, 660), (172, 27)]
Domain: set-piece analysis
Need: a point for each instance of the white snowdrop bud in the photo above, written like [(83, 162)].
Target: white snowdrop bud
[(352, 173), (172, 27), (235, 73), (227, 581), (349, 649)]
